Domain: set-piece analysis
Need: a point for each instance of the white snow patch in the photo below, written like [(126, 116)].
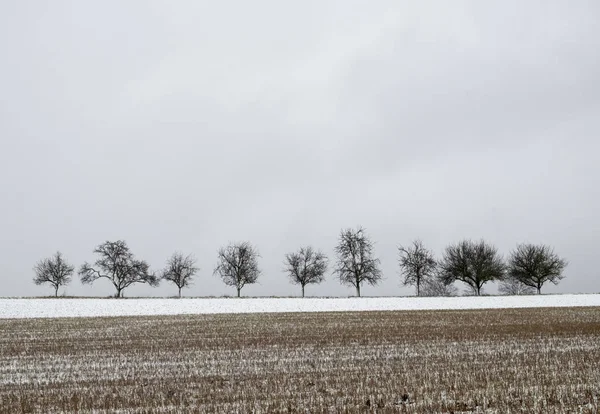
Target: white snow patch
[(61, 308)]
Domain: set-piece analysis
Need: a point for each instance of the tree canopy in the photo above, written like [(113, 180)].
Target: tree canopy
[(306, 266), (54, 270), (534, 265), (180, 270), (356, 262), (117, 264), (473, 263), (417, 264), (238, 265)]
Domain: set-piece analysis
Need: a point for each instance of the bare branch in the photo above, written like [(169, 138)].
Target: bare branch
[(88, 275), (513, 287), (436, 287)]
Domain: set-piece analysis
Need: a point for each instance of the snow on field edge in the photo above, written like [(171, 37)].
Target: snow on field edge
[(61, 308)]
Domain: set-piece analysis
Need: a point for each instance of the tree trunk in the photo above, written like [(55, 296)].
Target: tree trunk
[(238, 291), (302, 290), (478, 290), (179, 291), (539, 290), (418, 287), (119, 294), (56, 291), (358, 290)]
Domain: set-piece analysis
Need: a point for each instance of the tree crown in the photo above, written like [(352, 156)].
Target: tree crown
[(54, 270), (355, 259), (238, 264), (117, 263), (306, 266), (180, 270), (417, 264), (534, 265), (473, 263)]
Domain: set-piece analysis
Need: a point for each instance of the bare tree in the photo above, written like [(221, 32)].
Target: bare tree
[(180, 270), (436, 287), (355, 262), (533, 265), (417, 264), (238, 265), (473, 263), (306, 266), (117, 264), (54, 270), (513, 287)]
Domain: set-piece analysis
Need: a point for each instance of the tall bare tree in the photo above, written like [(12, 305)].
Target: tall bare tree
[(54, 270), (356, 263), (534, 265), (473, 263), (417, 264), (180, 270), (238, 265), (307, 266), (117, 264)]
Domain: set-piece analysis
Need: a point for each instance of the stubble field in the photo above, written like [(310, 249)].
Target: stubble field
[(460, 361)]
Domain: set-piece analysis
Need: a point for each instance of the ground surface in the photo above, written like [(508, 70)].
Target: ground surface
[(61, 307), (496, 361)]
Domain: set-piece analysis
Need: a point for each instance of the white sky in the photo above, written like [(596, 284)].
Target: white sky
[(185, 125)]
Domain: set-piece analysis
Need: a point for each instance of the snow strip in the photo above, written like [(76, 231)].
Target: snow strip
[(61, 308)]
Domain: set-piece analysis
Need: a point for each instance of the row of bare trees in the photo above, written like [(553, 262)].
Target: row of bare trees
[(476, 263), (116, 263), (527, 269)]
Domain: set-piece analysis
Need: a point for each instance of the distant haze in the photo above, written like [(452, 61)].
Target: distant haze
[(183, 125)]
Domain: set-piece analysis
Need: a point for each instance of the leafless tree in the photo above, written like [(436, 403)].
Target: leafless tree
[(54, 270), (356, 263), (513, 287), (417, 264), (306, 266), (180, 270), (117, 264), (436, 287), (533, 265), (473, 263), (238, 265)]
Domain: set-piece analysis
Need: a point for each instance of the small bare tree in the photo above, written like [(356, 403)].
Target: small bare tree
[(513, 287), (436, 287), (356, 263), (117, 264), (306, 266), (417, 264), (473, 263), (180, 270), (238, 265), (54, 270), (534, 265)]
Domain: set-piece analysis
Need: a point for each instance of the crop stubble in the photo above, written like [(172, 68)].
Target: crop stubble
[(496, 361)]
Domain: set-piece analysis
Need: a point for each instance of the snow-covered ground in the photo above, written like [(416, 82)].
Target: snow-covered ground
[(59, 308)]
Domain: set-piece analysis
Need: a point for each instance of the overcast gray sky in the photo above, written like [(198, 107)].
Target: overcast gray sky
[(183, 125)]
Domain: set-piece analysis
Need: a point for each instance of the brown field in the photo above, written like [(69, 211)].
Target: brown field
[(486, 361)]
